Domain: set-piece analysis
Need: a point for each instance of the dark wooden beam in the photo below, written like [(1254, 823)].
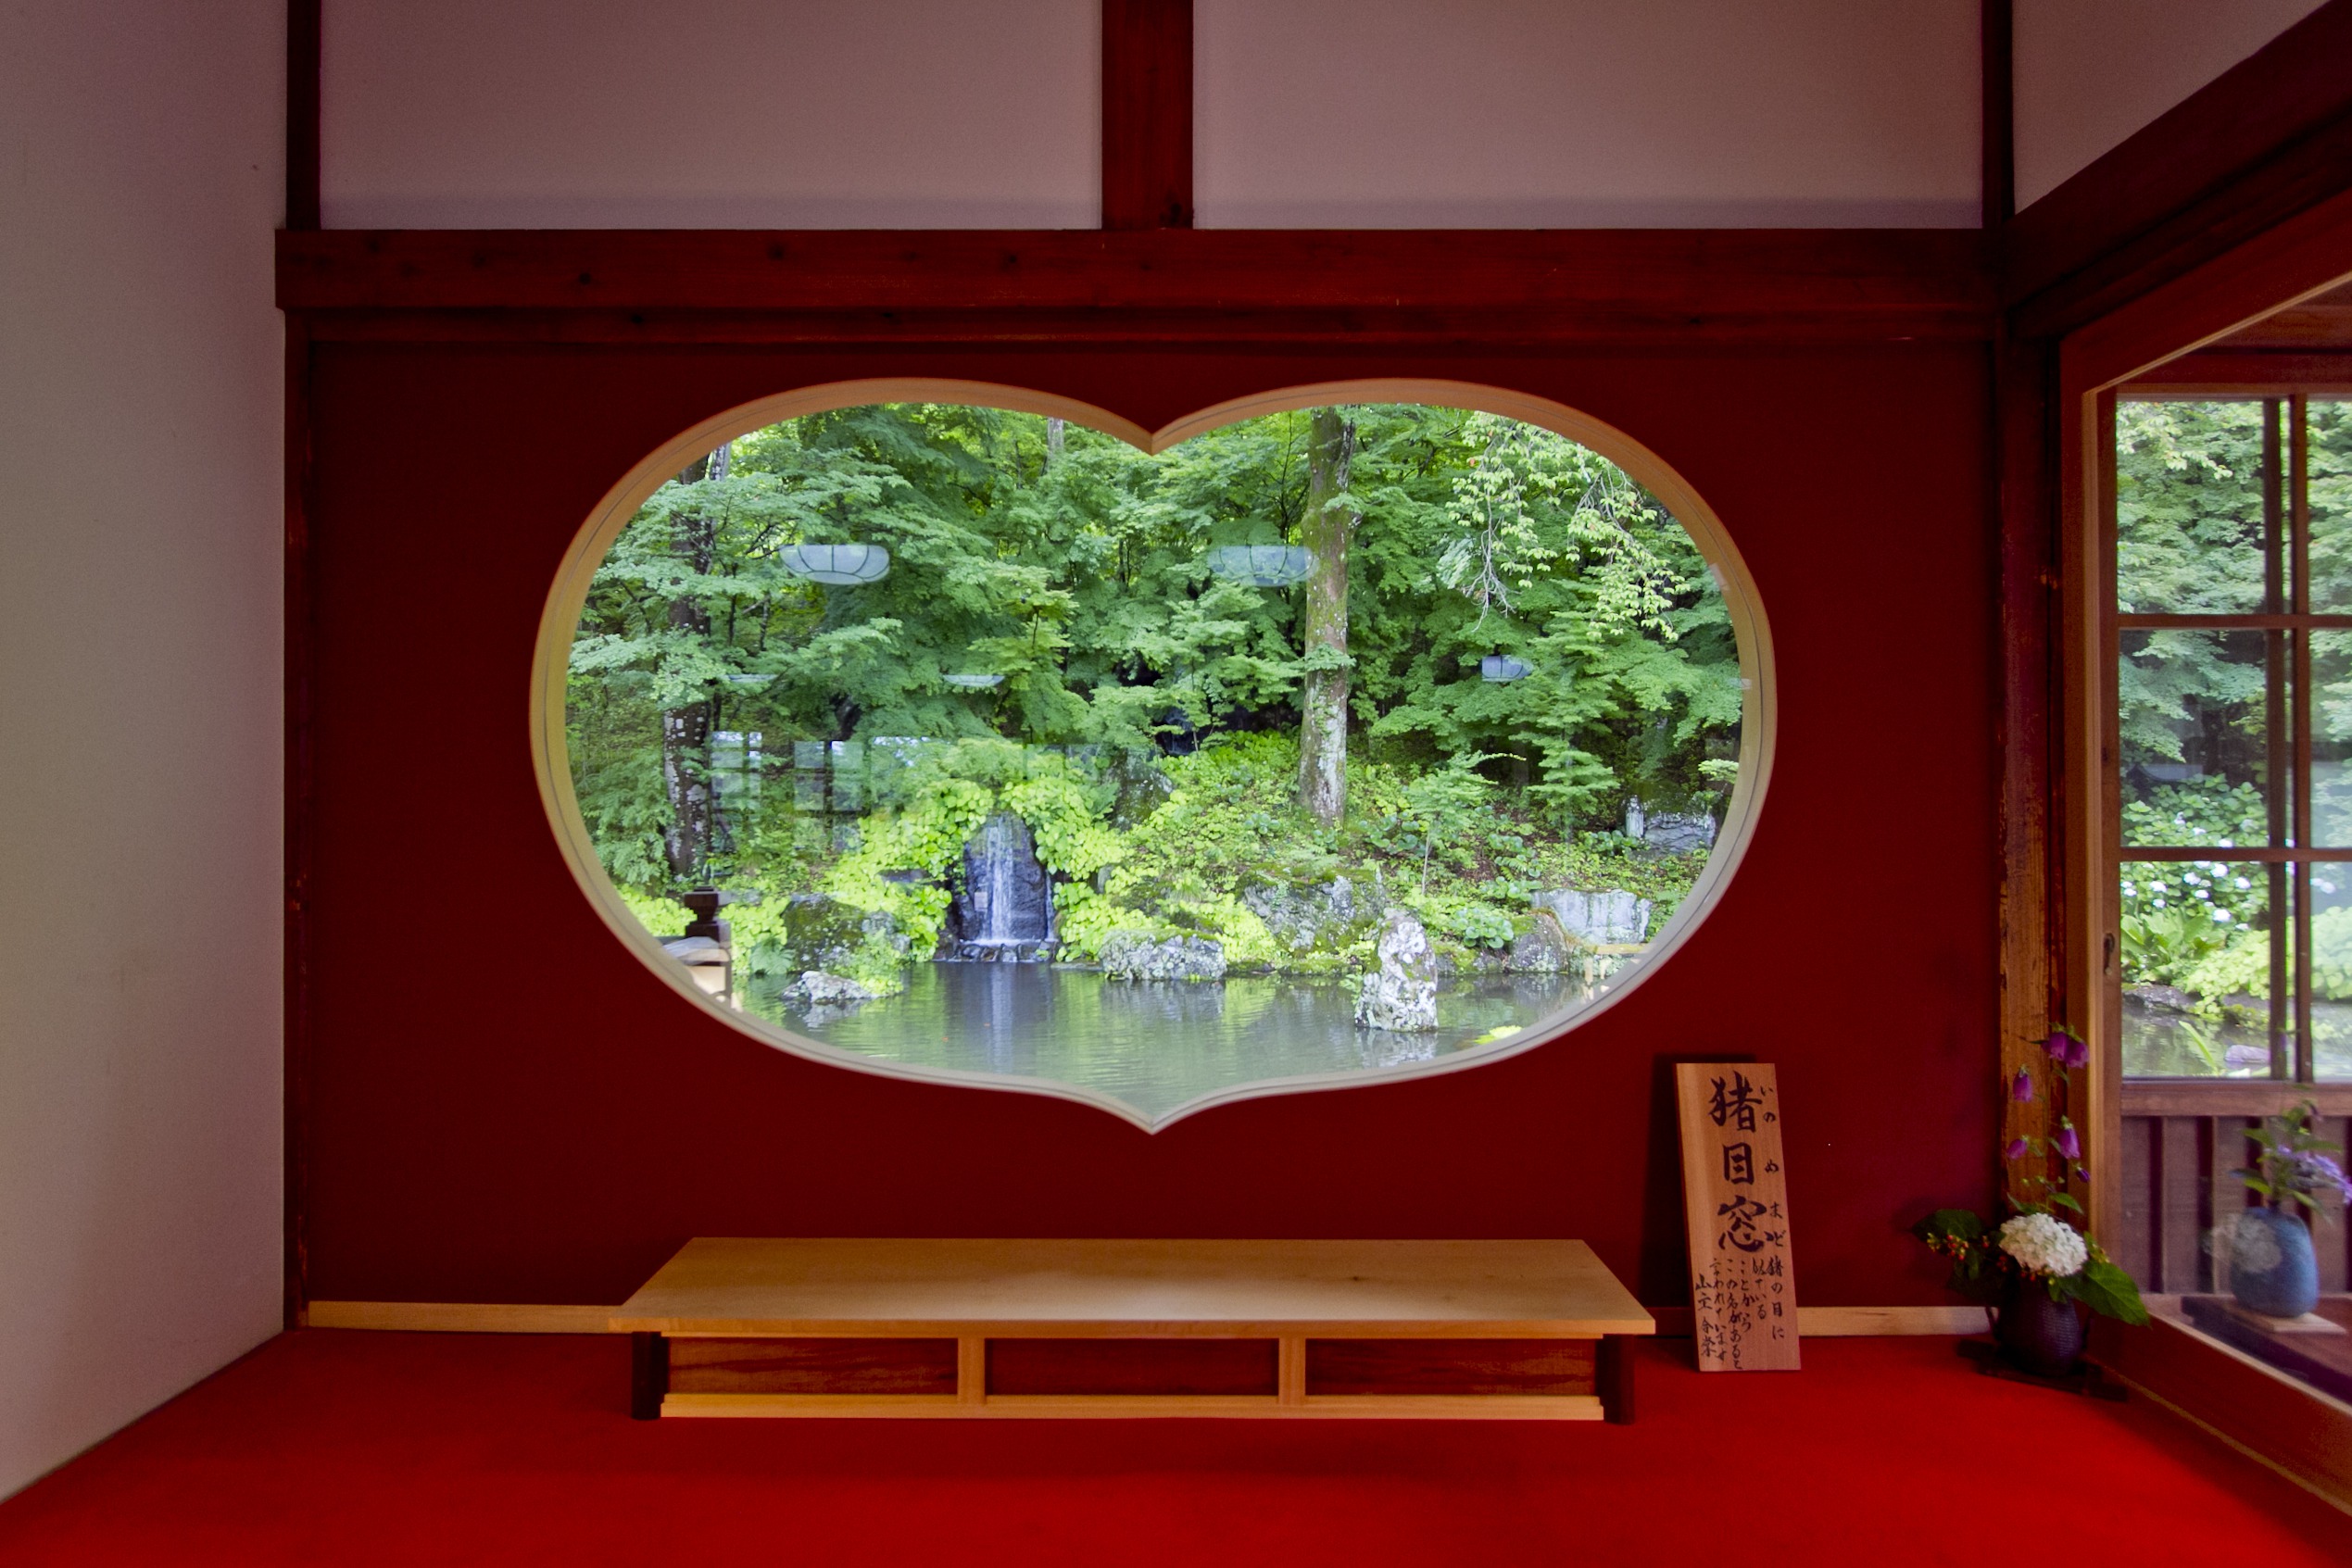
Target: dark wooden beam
[(2223, 372), (302, 113), (2267, 139), (299, 819), (1998, 128), (1147, 114), (1532, 287)]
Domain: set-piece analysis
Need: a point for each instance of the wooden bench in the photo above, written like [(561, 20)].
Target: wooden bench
[(1464, 1329)]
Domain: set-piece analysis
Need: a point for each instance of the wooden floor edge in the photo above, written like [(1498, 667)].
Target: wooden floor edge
[(459, 1317), (2319, 1488), (1403, 1407), (480, 1317), (1852, 1323)]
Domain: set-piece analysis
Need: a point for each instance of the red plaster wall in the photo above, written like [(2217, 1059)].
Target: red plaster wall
[(552, 1138)]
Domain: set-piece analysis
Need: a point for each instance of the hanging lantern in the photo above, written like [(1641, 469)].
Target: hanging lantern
[(1261, 565), (840, 566), (974, 682), (1502, 669)]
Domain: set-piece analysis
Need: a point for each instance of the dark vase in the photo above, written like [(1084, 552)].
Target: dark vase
[(2038, 1335), (2272, 1268)]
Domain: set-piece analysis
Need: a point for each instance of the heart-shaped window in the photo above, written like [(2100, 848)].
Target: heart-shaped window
[(951, 733)]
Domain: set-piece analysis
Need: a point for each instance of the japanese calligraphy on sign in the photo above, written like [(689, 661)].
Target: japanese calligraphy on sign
[(1735, 1198)]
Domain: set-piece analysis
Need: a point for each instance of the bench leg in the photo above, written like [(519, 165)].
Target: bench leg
[(1613, 1380), (648, 1375)]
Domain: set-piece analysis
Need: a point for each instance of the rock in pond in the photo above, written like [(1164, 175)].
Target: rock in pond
[(1545, 949), (1134, 954), (820, 989), (2161, 998), (821, 932), (1403, 993), (1304, 916)]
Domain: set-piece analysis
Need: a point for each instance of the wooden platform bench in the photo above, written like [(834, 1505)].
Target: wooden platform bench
[(1459, 1329)]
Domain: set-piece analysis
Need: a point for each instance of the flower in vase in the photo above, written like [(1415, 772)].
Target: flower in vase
[(2042, 1244), (2021, 1086), (2066, 1051), (2068, 1143), (2317, 1174)]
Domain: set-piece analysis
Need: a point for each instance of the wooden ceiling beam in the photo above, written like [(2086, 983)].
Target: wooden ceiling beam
[(1168, 284), (2268, 139)]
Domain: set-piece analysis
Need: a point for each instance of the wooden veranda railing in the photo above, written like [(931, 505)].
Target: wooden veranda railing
[(2181, 1138)]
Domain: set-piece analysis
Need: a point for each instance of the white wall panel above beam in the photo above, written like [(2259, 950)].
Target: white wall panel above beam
[(1586, 113), (711, 114)]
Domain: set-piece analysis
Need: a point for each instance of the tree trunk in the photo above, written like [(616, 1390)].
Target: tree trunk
[(686, 731), (1325, 528), (1054, 439)]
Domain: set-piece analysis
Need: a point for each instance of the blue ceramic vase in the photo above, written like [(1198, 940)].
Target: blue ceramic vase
[(2038, 1335), (2272, 1268)]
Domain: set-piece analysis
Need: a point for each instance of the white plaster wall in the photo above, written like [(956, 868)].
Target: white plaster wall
[(1586, 113), (711, 114), (140, 519), (2088, 73)]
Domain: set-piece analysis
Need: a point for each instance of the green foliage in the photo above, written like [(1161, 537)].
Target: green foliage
[(663, 917), (2331, 952), (1076, 570), (1958, 1235), (1473, 922), (2106, 1289)]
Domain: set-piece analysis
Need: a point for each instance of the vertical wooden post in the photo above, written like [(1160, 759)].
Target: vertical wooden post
[(1147, 114), (648, 1375), (1999, 141), (302, 113), (972, 1370), (295, 1043), (1291, 1370), (1612, 1379), (2023, 499)]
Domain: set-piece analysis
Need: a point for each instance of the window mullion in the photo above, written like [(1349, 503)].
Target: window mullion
[(2275, 728), (2299, 584)]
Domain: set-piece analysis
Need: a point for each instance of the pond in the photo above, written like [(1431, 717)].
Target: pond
[(1155, 1046), (2163, 1043)]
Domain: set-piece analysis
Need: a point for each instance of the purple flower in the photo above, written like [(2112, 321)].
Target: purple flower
[(2021, 1088), (2017, 1150), (2066, 1050), (2067, 1143), (2317, 1172)]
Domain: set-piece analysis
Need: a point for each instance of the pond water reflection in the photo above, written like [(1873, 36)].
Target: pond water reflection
[(1154, 1045), (2161, 1042)]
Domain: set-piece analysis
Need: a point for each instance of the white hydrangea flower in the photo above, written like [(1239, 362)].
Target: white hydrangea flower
[(2044, 1244)]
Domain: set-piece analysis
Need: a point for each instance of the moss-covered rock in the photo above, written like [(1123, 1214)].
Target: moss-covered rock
[(1319, 915)]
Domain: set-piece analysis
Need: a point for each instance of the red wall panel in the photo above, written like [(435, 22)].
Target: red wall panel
[(506, 1106)]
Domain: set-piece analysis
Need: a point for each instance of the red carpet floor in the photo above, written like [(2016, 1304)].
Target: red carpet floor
[(361, 1449)]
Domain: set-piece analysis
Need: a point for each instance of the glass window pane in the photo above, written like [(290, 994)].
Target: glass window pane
[(2329, 429), (2331, 971), (2332, 739), (2192, 711), (2195, 958), (2189, 532)]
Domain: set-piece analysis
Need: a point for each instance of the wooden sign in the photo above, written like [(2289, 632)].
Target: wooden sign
[(1735, 1198)]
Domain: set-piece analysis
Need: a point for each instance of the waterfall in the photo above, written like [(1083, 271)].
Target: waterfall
[(1005, 911)]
